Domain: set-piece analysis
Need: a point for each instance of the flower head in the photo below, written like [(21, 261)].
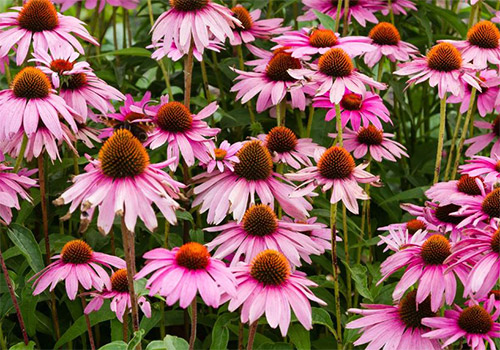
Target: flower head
[(12, 186), (91, 4), (185, 133), (443, 66), (335, 169), (474, 323), (38, 23), (373, 141), (31, 102), (484, 208), (260, 229), (387, 41), (123, 182), (357, 109), (335, 73), (488, 167), (77, 264), (223, 156), (449, 192), (268, 285), (286, 148), (254, 28), (193, 21), (119, 295), (395, 326), (233, 191), (311, 41), (182, 272)]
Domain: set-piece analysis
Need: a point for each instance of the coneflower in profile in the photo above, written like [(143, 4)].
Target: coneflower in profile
[(12, 186), (123, 182)]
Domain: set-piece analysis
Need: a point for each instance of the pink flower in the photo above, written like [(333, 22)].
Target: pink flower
[(286, 148), (233, 191), (485, 98), (399, 7), (4, 61), (424, 261), (267, 285), (259, 230), (273, 83), (496, 19), (443, 67), (125, 118), (356, 108), (484, 208), (13, 185), (175, 54), (182, 272), (362, 10), (120, 297), (400, 236), (482, 45), (38, 143), (475, 323), (481, 250), (223, 157), (31, 102), (91, 4), (373, 141), (311, 41), (185, 133), (449, 192), (193, 21), (482, 141), (395, 326), (335, 170), (252, 28), (79, 86), (335, 73), (489, 167), (387, 41), (87, 135), (38, 22), (123, 182), (321, 235), (77, 265)]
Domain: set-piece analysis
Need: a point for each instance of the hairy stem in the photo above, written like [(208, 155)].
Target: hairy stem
[(439, 152), (194, 320)]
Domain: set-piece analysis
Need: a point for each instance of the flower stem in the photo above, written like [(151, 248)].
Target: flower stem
[(380, 71), (20, 156), (464, 132), (337, 16), (346, 10), (439, 152), (188, 75), (281, 113), (128, 238), (8, 76), (310, 121), (335, 271), (453, 145), (251, 335), (338, 120), (347, 256), (87, 321), (241, 327), (125, 328), (208, 96), (14, 299), (194, 320), (218, 78), (391, 12)]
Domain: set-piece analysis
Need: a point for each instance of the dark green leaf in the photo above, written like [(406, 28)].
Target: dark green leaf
[(25, 241)]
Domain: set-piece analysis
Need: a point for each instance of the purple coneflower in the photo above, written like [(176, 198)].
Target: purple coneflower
[(488, 167), (13, 185), (448, 192), (222, 157), (478, 143)]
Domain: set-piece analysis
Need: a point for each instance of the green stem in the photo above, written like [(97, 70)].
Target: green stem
[(439, 152), (20, 156), (337, 16), (8, 76), (335, 271), (453, 145), (391, 12), (380, 71), (347, 256), (218, 78), (338, 117), (241, 61), (310, 121), (194, 317), (269, 9), (464, 132), (188, 75), (281, 113), (346, 10), (204, 76)]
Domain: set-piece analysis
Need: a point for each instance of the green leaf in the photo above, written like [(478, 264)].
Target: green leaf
[(116, 345), (175, 343), (299, 336), (327, 21), (184, 215), (275, 346), (25, 241), (322, 317), (129, 51), (80, 327), (22, 346), (220, 332), (359, 276), (156, 345)]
